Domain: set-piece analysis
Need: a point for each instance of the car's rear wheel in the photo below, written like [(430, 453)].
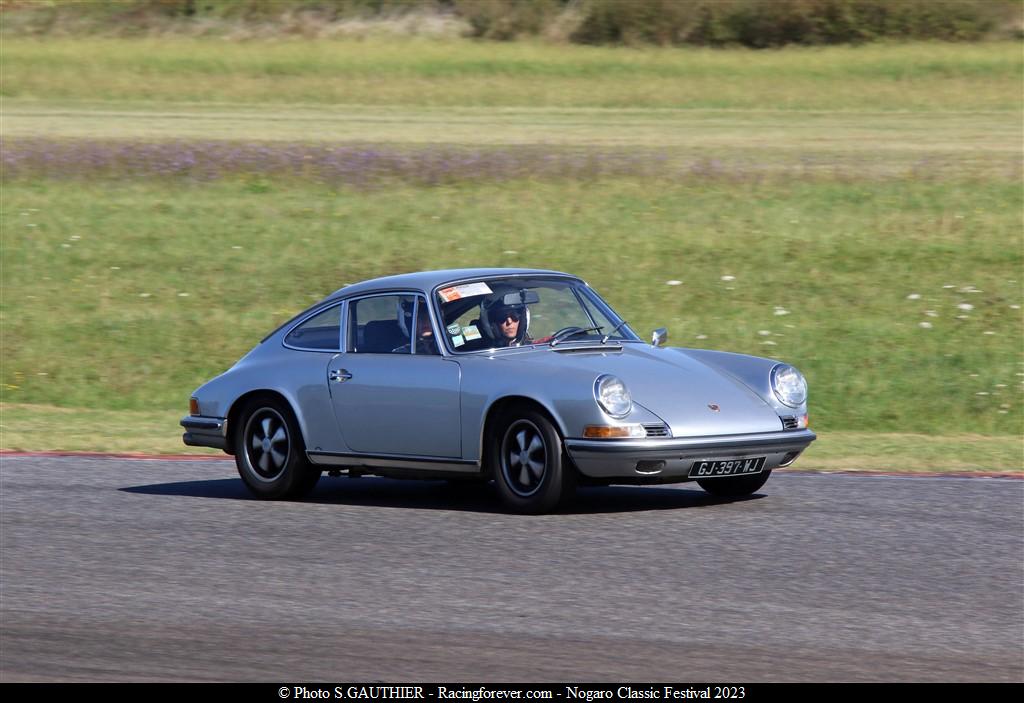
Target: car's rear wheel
[(530, 468), (734, 486), (270, 454)]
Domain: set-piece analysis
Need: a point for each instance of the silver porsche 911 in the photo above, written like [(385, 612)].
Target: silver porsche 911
[(522, 377)]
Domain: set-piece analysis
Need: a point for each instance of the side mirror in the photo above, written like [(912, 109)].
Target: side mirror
[(659, 337)]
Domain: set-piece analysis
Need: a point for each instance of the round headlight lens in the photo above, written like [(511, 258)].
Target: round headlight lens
[(789, 385), (613, 396)]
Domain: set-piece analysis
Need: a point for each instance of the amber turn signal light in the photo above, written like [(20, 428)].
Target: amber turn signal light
[(193, 406), (610, 431)]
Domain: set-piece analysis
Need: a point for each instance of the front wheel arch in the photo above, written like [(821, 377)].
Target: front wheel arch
[(495, 414), (557, 477)]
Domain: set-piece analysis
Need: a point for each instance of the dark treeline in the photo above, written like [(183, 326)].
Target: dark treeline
[(751, 23)]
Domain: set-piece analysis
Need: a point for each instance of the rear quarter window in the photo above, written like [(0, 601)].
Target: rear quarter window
[(322, 332)]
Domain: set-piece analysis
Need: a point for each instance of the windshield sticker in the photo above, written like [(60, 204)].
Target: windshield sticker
[(466, 290), (454, 329), (458, 341), (471, 333)]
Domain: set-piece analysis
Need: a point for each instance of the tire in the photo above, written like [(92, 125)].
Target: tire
[(734, 487), (529, 464), (270, 454)]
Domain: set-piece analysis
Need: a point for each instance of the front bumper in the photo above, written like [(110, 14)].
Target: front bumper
[(671, 459), (205, 431)]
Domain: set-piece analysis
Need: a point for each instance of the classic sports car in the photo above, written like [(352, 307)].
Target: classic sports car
[(524, 377)]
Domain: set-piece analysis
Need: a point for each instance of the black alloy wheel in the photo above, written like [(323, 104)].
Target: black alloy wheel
[(524, 459), (531, 471), (269, 452)]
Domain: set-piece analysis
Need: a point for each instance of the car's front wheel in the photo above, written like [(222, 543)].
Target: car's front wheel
[(269, 451), (530, 468), (734, 486)]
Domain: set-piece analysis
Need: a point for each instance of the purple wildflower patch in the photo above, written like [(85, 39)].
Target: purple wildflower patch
[(340, 164), (368, 165)]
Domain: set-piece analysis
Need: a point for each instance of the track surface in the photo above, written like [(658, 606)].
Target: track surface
[(126, 570)]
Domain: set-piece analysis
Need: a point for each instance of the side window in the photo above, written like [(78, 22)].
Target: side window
[(320, 332), (380, 325)]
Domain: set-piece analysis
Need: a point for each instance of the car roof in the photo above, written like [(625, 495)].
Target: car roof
[(426, 281)]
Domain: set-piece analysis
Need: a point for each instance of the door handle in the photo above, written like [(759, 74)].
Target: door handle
[(339, 375)]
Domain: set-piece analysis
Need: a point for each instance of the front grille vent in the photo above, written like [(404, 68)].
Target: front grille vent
[(656, 429), (789, 423)]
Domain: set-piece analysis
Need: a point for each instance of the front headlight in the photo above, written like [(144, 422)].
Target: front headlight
[(789, 385), (613, 396)]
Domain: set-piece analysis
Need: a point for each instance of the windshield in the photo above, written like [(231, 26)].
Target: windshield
[(516, 312)]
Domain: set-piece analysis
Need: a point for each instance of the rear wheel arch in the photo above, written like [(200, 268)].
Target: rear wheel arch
[(270, 450), (243, 401)]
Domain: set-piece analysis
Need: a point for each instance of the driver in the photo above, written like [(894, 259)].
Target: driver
[(508, 323)]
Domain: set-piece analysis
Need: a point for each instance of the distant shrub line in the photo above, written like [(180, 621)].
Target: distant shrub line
[(717, 23)]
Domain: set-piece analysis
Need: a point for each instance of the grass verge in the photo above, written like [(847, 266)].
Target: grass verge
[(48, 428), (900, 300)]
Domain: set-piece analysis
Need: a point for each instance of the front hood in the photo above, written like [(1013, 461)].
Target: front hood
[(675, 387)]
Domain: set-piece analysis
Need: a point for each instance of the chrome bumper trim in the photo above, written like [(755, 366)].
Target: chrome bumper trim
[(205, 431)]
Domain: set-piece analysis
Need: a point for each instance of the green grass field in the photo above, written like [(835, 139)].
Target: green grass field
[(892, 78), (864, 222)]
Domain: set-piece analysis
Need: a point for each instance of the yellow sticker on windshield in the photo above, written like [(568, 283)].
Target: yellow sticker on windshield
[(471, 333), (466, 290)]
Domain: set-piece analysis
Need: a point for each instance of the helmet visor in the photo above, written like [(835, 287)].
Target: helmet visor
[(502, 314)]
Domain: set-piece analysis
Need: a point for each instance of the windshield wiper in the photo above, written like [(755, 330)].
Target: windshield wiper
[(562, 335), (617, 328)]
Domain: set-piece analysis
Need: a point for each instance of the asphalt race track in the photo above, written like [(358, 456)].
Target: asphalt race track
[(141, 570)]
